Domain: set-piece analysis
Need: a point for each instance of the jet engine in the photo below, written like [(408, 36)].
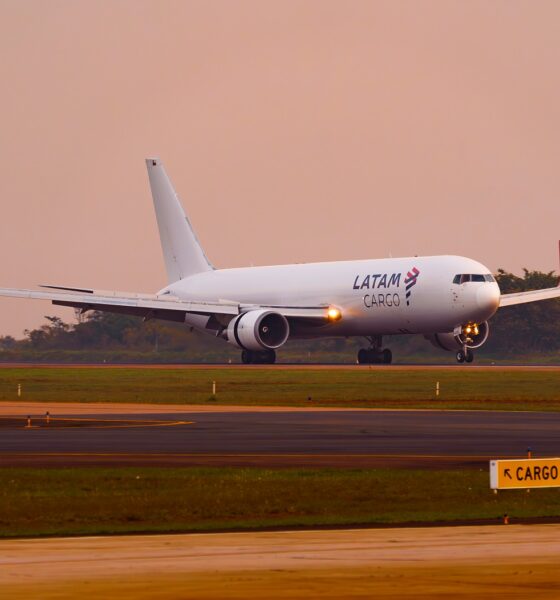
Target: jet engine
[(471, 335), (258, 330)]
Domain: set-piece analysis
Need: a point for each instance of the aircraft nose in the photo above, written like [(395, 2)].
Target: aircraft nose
[(488, 297)]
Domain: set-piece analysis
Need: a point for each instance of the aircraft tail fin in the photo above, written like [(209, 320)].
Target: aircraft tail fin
[(182, 252)]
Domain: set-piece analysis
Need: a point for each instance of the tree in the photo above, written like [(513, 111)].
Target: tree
[(526, 328)]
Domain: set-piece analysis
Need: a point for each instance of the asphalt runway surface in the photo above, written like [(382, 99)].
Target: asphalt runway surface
[(349, 438)]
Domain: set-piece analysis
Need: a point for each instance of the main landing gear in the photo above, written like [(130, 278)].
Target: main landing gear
[(252, 357), (375, 355), (466, 355)]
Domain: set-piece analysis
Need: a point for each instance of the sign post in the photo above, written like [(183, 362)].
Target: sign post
[(524, 473)]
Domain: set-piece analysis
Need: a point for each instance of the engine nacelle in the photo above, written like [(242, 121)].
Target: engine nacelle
[(471, 336), (258, 330)]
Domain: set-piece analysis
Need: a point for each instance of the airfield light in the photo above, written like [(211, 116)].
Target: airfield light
[(333, 314)]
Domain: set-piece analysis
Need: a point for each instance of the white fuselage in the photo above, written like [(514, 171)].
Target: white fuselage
[(371, 294)]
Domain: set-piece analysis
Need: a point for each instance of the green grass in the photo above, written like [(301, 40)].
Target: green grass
[(119, 500), (460, 389)]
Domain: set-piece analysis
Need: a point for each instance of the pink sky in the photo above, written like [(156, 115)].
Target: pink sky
[(293, 131)]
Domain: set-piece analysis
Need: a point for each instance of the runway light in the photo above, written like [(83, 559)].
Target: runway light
[(333, 314)]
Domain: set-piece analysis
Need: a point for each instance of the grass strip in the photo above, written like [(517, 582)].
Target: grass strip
[(459, 389), (131, 500)]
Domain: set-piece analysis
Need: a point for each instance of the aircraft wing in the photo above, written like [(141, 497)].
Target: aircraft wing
[(532, 296), (149, 306)]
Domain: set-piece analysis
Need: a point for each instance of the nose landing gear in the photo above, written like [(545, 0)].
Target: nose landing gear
[(375, 355), (466, 355)]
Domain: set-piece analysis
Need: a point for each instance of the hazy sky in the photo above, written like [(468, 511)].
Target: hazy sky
[(293, 131)]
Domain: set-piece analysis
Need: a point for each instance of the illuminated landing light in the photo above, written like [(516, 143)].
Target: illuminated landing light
[(333, 314), (471, 329)]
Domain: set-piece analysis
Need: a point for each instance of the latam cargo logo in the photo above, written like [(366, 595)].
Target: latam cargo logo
[(410, 282)]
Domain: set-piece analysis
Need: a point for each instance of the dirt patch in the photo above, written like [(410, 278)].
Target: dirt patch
[(512, 561)]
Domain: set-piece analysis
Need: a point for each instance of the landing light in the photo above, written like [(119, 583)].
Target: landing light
[(333, 314), (471, 328)]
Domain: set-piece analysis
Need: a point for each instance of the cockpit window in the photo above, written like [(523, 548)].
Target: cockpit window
[(464, 278), (461, 278)]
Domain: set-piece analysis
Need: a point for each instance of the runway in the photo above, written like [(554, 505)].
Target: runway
[(245, 437), (511, 561), (291, 367)]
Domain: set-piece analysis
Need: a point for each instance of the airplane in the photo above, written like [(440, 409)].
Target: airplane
[(448, 299)]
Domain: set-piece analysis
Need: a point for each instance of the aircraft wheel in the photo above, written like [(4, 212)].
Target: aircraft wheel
[(387, 356), (469, 356), (460, 357), (363, 358), (266, 357), (372, 357)]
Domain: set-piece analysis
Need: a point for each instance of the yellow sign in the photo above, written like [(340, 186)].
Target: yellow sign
[(524, 473)]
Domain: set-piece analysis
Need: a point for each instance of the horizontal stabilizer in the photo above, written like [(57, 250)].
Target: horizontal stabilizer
[(67, 289)]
